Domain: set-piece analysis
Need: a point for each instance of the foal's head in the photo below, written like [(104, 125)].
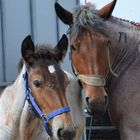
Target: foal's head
[(48, 83), (89, 51)]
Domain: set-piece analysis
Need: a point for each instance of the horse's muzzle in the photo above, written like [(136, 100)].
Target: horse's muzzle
[(97, 108)]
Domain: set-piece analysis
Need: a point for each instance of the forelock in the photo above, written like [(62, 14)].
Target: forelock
[(44, 52), (86, 16)]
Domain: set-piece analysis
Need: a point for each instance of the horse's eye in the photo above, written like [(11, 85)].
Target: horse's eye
[(37, 83), (72, 48)]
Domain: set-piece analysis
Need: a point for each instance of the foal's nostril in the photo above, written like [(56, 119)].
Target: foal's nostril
[(87, 100), (66, 134), (59, 132), (106, 100)]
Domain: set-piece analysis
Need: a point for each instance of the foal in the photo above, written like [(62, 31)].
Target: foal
[(51, 94)]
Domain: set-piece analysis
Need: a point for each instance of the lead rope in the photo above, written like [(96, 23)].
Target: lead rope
[(108, 55), (90, 126)]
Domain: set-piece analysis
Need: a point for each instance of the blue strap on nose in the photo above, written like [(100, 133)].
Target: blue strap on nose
[(51, 115), (57, 112), (35, 110)]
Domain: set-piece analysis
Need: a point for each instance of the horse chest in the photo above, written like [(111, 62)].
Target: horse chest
[(124, 102)]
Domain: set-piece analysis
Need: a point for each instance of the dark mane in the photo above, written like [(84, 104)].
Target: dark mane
[(41, 52), (86, 16), (44, 52)]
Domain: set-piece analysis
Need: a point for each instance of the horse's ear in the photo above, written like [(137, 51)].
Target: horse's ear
[(27, 49), (63, 14), (61, 48), (107, 10)]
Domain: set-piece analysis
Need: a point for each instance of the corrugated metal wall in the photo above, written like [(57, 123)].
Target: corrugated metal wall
[(20, 18)]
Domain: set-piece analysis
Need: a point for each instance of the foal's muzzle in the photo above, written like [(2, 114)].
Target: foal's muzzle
[(66, 133)]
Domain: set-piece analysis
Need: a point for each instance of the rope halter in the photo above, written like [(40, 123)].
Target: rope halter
[(92, 80)]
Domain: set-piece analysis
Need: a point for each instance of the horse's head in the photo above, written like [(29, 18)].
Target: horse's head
[(89, 51), (48, 83)]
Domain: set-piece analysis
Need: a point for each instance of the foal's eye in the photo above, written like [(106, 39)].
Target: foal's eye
[(37, 83), (72, 48)]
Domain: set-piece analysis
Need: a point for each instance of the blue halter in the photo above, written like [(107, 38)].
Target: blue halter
[(35, 110)]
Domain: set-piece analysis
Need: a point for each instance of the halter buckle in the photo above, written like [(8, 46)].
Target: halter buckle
[(28, 90), (44, 119)]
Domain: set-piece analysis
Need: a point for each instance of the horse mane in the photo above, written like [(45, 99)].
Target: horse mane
[(41, 52), (126, 23), (20, 65), (86, 16), (44, 52)]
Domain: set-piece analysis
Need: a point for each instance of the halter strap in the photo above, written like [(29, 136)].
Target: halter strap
[(92, 80), (35, 110)]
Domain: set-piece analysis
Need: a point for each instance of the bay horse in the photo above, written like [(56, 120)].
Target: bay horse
[(43, 93), (105, 56)]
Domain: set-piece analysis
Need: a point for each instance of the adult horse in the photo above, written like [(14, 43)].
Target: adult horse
[(50, 94), (105, 56)]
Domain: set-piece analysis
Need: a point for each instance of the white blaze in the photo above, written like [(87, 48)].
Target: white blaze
[(51, 69)]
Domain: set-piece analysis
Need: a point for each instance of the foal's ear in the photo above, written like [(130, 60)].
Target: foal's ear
[(107, 10), (27, 49), (61, 48), (63, 14)]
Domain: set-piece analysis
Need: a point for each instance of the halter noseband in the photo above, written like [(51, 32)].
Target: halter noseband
[(92, 80), (35, 110)]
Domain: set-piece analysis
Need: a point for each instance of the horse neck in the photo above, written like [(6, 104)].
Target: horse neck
[(11, 108), (18, 86), (72, 91), (124, 47), (14, 95), (74, 98)]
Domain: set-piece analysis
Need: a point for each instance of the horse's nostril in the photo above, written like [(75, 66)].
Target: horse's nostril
[(106, 100), (66, 134), (87, 100)]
